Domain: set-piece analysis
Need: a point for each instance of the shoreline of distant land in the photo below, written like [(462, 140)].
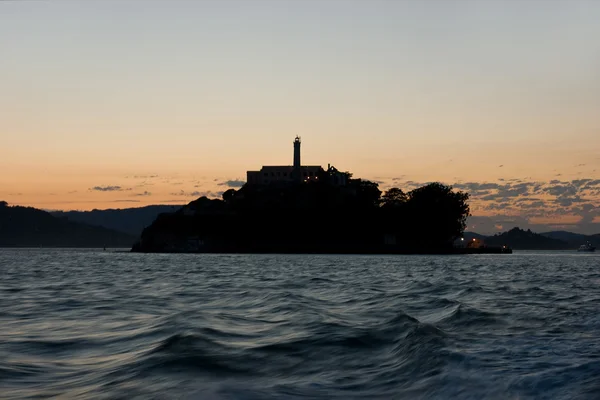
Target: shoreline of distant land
[(453, 252), (116, 248)]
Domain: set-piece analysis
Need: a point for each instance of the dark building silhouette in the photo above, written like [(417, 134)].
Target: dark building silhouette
[(297, 164), (294, 173)]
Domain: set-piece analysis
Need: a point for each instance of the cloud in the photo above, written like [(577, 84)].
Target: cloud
[(171, 201), (552, 200), (197, 193), (233, 183), (475, 186), (498, 192), (184, 193), (591, 184), (144, 183), (409, 185), (561, 189), (107, 188), (144, 193)]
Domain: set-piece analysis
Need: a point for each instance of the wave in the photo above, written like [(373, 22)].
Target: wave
[(469, 316), (193, 352), (39, 346), (322, 327)]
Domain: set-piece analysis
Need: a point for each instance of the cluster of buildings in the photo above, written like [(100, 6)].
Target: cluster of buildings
[(297, 172)]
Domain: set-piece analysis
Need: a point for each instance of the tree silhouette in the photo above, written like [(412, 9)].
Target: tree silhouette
[(394, 197), (316, 216), (228, 195), (437, 213)]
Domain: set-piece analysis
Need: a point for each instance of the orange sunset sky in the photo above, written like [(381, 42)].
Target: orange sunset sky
[(115, 104)]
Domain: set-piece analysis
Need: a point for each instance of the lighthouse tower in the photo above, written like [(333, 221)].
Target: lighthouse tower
[(297, 165)]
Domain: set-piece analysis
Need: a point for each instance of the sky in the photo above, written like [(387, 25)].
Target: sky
[(115, 104)]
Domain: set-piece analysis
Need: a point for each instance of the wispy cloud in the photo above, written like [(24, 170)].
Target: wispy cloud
[(144, 193), (107, 188), (234, 183), (196, 193), (144, 176), (186, 194)]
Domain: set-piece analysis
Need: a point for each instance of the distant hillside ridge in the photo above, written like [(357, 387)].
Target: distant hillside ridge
[(519, 239), (522, 239), (30, 227), (574, 239), (128, 220)]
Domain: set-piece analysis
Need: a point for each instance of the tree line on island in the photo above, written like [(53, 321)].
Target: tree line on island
[(316, 216)]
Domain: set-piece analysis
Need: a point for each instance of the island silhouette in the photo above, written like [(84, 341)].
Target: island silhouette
[(309, 209)]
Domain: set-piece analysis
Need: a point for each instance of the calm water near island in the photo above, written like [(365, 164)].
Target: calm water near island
[(115, 325)]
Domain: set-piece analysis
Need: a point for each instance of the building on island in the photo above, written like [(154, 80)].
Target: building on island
[(297, 172)]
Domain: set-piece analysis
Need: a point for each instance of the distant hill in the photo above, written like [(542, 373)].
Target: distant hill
[(526, 240), (573, 239), (30, 227), (519, 239), (128, 220)]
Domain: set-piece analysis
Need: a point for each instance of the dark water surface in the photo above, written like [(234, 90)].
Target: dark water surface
[(93, 324)]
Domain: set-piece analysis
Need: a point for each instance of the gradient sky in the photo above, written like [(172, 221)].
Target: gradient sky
[(113, 104)]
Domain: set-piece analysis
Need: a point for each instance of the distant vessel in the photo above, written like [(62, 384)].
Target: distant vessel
[(586, 247)]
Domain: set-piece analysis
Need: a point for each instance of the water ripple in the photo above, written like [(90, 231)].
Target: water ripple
[(88, 324)]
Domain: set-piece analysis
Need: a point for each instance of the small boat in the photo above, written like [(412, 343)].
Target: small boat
[(586, 247)]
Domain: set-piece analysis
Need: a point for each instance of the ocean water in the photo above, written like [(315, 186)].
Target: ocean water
[(115, 325)]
